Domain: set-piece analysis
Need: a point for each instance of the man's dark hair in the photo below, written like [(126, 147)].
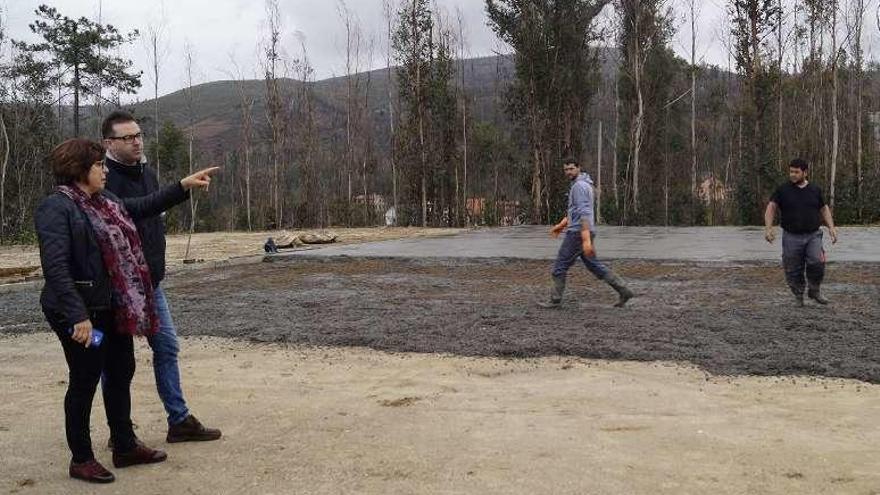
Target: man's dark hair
[(799, 163), (570, 160), (116, 117)]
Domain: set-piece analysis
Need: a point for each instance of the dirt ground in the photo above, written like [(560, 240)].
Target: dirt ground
[(18, 263), (316, 420), (727, 319), (347, 375)]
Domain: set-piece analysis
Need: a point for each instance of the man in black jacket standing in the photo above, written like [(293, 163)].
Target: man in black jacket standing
[(129, 176)]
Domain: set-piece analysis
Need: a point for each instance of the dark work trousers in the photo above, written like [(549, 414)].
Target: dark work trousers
[(803, 254), (115, 358), (570, 251)]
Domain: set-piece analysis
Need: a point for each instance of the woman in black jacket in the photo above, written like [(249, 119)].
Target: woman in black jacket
[(97, 283)]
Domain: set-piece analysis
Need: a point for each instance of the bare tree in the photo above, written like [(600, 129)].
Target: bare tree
[(642, 35), (420, 98), (366, 140), (352, 58), (835, 121), (3, 166), (693, 13), (5, 163), (228, 164), (157, 50), (246, 103), (98, 87), (599, 184), (637, 62), (274, 105), (780, 52), (464, 116), (855, 24), (191, 101), (614, 164), (307, 141), (389, 17)]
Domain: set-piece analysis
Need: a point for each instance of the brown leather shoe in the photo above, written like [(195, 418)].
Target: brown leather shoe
[(137, 441), (191, 430), (91, 471), (141, 454)]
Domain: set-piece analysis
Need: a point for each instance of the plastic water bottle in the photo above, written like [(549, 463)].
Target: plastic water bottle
[(97, 336)]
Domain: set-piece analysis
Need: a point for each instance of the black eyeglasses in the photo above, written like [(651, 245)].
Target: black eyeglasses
[(128, 139)]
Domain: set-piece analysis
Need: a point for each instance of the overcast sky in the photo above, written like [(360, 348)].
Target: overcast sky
[(219, 29)]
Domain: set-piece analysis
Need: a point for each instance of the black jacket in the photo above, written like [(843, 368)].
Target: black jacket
[(131, 181), (76, 280)]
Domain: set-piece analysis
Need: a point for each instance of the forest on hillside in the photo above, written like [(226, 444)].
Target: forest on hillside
[(441, 139)]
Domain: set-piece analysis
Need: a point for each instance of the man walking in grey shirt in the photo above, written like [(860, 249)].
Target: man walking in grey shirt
[(580, 231)]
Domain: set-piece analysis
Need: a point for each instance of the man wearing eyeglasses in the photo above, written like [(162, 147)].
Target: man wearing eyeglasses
[(129, 176)]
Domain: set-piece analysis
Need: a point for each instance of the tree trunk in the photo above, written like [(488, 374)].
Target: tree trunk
[(156, 106), (637, 143), (247, 185), (860, 12), (693, 113), (367, 204), (247, 105), (76, 89), (192, 201), (835, 123), (599, 175), (614, 169), (423, 151), (536, 185), (274, 106), (464, 144), (779, 159), (392, 143), (348, 111), (666, 172), (636, 135), (3, 166), (60, 106), (495, 192), (228, 161)]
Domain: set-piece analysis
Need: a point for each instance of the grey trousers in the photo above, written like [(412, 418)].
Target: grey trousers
[(803, 254)]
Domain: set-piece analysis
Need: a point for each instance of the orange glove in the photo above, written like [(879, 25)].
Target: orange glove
[(587, 243), (559, 227)]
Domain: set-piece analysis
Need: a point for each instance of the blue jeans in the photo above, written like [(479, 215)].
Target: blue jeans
[(570, 251), (165, 349)]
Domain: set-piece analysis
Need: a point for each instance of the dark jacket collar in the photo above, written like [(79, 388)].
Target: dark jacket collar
[(130, 170)]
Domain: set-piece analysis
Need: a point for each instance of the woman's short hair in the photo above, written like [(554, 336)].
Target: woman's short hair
[(71, 160)]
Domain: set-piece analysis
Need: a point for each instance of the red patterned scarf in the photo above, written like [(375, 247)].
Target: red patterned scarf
[(132, 290)]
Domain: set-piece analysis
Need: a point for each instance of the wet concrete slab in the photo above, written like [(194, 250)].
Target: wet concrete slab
[(711, 244)]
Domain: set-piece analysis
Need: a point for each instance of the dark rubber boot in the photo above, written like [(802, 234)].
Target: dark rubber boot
[(555, 294), (798, 295), (622, 290), (818, 297)]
